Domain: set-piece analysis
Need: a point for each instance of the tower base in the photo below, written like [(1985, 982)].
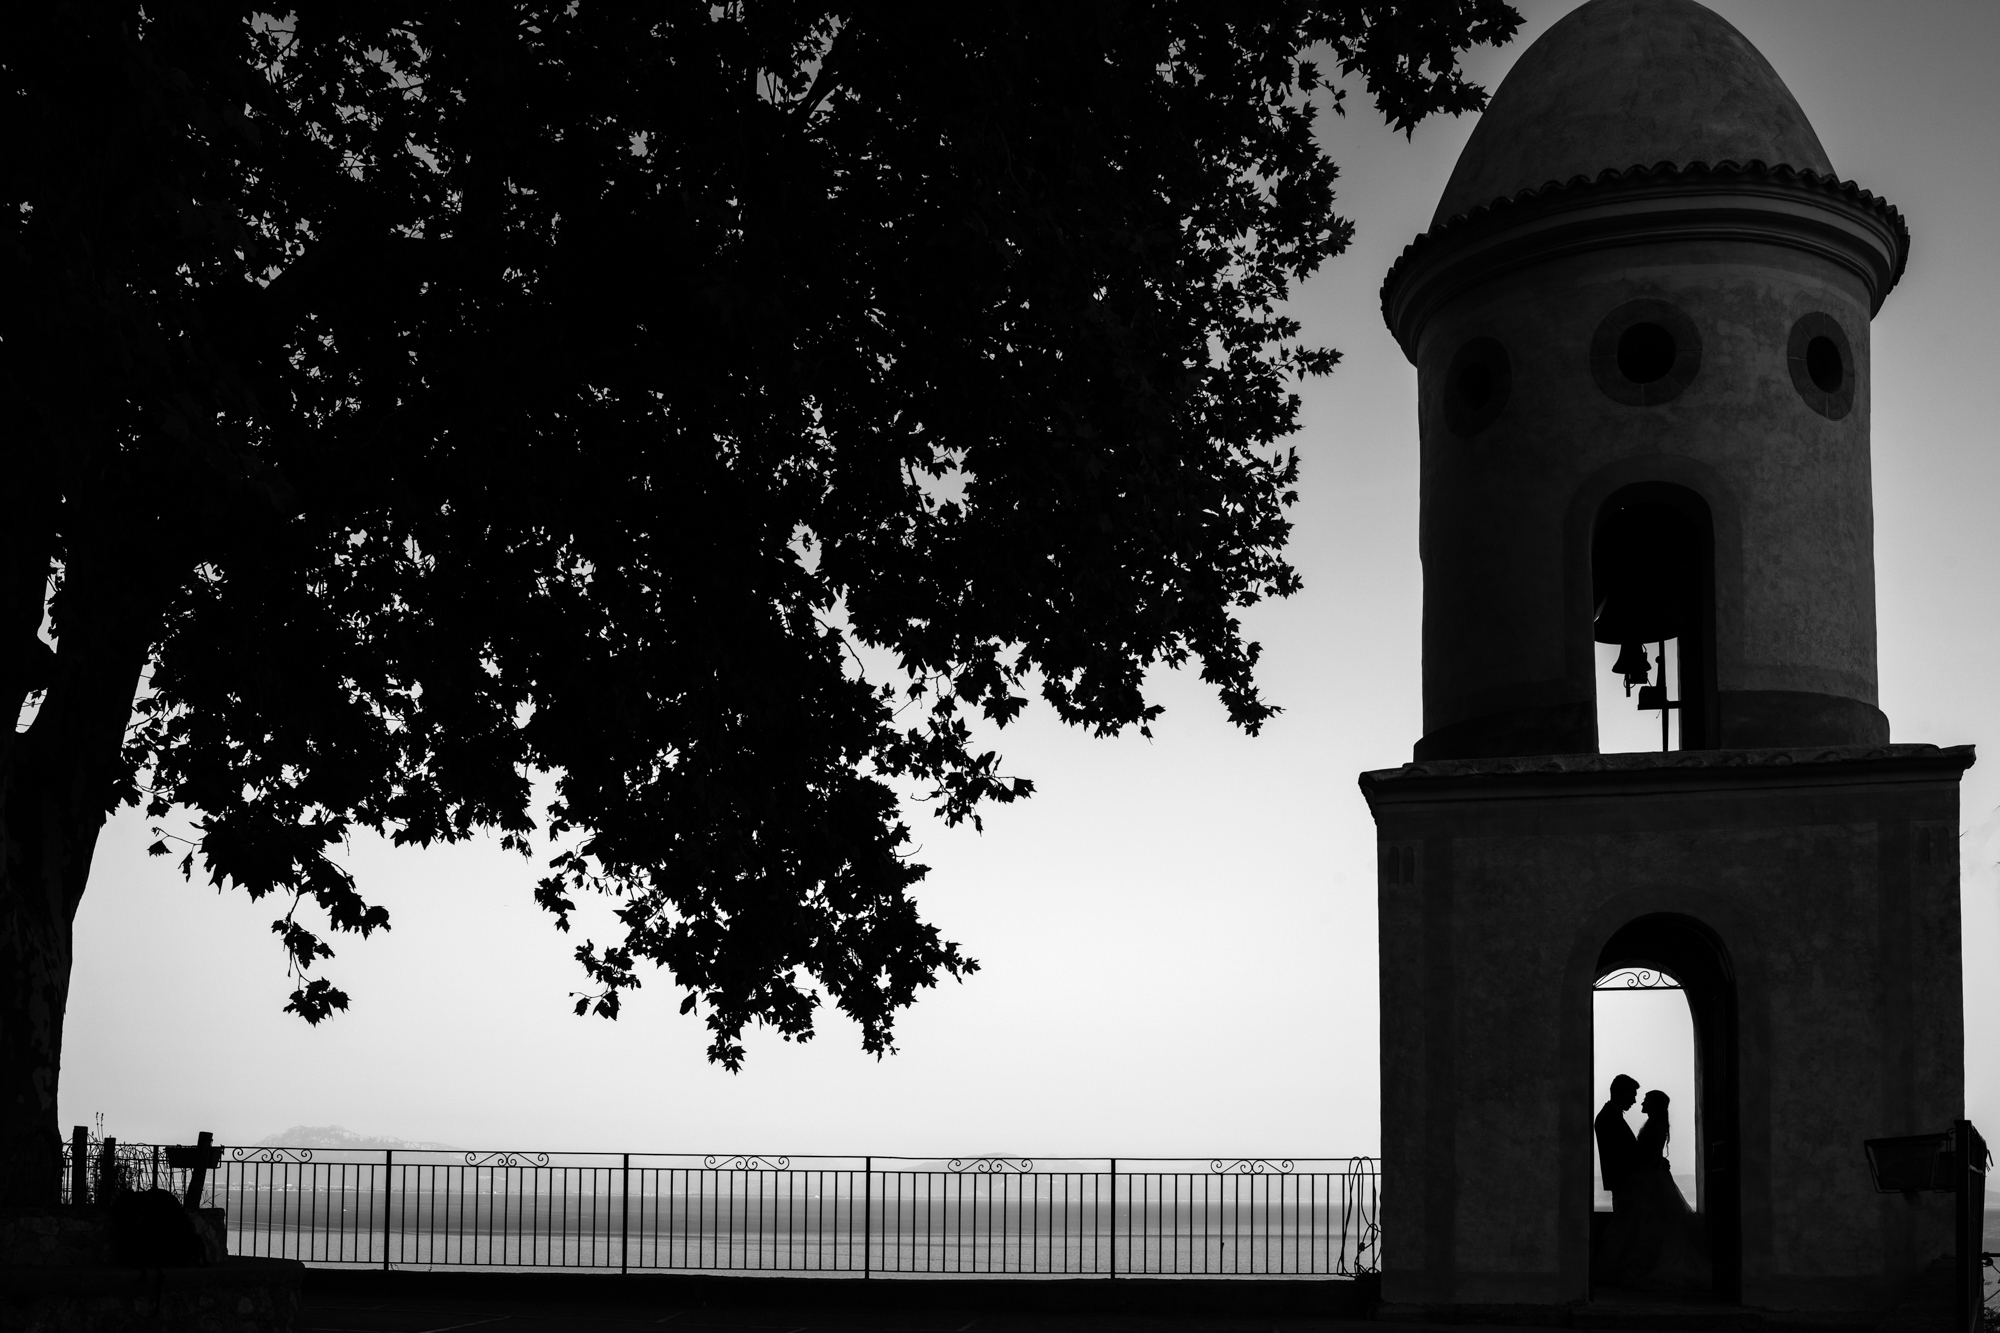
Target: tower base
[(1807, 901)]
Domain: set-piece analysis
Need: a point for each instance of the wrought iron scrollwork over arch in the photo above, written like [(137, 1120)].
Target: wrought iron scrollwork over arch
[(1637, 978)]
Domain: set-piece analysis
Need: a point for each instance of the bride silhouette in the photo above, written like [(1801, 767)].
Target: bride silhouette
[(1662, 1246)]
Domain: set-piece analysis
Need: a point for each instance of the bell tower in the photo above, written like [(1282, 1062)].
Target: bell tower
[(1640, 322)]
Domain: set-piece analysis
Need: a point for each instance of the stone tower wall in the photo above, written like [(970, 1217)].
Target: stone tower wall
[(1508, 509)]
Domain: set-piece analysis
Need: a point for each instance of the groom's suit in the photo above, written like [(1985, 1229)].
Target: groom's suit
[(1617, 1148)]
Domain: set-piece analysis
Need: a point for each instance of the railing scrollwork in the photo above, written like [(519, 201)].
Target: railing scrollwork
[(1251, 1166), (514, 1159), (746, 1162), (990, 1165), (254, 1155)]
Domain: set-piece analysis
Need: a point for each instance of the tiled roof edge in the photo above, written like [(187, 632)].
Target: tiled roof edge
[(1612, 178)]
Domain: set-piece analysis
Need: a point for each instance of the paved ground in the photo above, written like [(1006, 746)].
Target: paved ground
[(405, 1302), (402, 1302), (402, 1314)]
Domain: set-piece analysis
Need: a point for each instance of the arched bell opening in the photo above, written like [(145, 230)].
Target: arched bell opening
[(1652, 566), (1666, 949)]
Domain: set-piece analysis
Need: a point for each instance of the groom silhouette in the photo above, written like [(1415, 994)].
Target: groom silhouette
[(1617, 1147)]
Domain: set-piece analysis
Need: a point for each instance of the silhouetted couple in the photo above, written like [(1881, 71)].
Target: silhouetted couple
[(1655, 1241)]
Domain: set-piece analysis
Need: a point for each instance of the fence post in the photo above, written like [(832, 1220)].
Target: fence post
[(867, 1214), (1114, 1219), (624, 1213), (79, 1165), (388, 1172)]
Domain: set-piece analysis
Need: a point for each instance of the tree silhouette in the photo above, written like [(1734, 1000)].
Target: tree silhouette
[(718, 407)]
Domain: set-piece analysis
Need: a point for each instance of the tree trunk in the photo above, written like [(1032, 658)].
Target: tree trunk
[(98, 497), (35, 914), (58, 782)]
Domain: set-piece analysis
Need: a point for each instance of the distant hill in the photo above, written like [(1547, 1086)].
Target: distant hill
[(335, 1136)]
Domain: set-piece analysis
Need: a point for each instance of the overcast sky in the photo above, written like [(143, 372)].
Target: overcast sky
[(1177, 936)]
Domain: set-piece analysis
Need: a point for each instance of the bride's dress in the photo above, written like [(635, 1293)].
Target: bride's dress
[(1663, 1246)]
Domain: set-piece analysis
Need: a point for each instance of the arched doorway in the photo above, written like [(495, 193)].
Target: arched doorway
[(1641, 1029), (1690, 953)]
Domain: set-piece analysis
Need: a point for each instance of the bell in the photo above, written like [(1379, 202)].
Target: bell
[(1646, 575), (1653, 696), (1631, 664)]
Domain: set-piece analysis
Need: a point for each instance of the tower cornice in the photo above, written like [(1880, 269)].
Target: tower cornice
[(1803, 210), (1657, 773)]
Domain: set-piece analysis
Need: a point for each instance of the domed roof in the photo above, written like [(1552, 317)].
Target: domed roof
[(1622, 83)]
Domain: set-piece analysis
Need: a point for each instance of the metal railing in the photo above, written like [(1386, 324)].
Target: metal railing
[(859, 1216)]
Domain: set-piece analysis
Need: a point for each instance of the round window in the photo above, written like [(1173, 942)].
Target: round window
[(1822, 365), (1476, 386), (1645, 352)]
